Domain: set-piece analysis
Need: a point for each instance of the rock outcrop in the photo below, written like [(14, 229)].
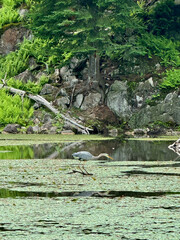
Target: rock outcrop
[(12, 37), (117, 100), (12, 128), (168, 111)]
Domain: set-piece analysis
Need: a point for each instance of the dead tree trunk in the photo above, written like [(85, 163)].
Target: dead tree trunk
[(94, 74), (43, 101)]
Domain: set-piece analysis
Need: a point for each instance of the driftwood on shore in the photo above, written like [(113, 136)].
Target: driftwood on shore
[(43, 101)]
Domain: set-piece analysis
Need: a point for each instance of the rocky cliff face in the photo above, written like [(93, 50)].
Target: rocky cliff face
[(126, 98), (167, 112), (136, 108)]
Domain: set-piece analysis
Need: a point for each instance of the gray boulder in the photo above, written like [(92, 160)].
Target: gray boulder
[(12, 128), (36, 129), (45, 127), (79, 100), (62, 102), (30, 130), (117, 99), (91, 101), (48, 89), (26, 76), (23, 12), (68, 76), (145, 90), (47, 118)]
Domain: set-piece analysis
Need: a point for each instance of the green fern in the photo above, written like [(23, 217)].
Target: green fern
[(14, 110), (172, 80), (16, 3), (16, 62), (33, 87), (164, 48), (8, 15)]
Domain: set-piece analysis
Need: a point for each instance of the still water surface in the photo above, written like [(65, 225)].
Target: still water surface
[(120, 151)]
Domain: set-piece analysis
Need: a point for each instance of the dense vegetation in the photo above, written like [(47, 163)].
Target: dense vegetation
[(119, 30), (13, 109)]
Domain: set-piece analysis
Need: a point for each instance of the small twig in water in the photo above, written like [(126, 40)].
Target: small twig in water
[(81, 172)]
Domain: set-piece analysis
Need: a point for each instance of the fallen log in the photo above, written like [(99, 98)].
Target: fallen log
[(43, 101)]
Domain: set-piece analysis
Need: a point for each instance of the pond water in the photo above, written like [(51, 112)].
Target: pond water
[(120, 151), (43, 195)]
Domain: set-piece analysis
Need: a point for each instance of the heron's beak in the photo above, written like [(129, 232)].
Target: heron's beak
[(110, 157)]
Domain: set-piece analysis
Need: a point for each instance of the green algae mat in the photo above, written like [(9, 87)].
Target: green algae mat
[(135, 196)]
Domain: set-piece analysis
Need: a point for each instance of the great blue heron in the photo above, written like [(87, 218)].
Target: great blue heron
[(84, 156)]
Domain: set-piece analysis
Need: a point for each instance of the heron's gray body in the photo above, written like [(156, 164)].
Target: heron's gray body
[(83, 155)]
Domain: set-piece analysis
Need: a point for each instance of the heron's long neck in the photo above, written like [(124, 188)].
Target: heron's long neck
[(100, 155)]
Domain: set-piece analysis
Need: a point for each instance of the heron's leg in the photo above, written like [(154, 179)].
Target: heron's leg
[(80, 169), (85, 170)]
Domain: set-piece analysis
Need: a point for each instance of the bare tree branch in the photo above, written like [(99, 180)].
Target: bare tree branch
[(43, 101)]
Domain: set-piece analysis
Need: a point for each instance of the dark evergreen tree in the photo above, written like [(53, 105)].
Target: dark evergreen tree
[(89, 27)]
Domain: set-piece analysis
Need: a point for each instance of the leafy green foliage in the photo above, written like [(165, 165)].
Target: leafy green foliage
[(41, 49), (8, 15), (154, 99), (15, 3), (163, 18), (16, 62), (166, 49), (85, 27), (13, 63), (172, 80), (118, 29), (13, 109), (9, 11), (33, 87), (59, 122)]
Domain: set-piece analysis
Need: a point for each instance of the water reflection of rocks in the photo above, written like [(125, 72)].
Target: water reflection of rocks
[(133, 150), (120, 151)]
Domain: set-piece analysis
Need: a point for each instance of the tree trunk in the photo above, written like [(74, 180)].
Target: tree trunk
[(94, 74), (94, 68)]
